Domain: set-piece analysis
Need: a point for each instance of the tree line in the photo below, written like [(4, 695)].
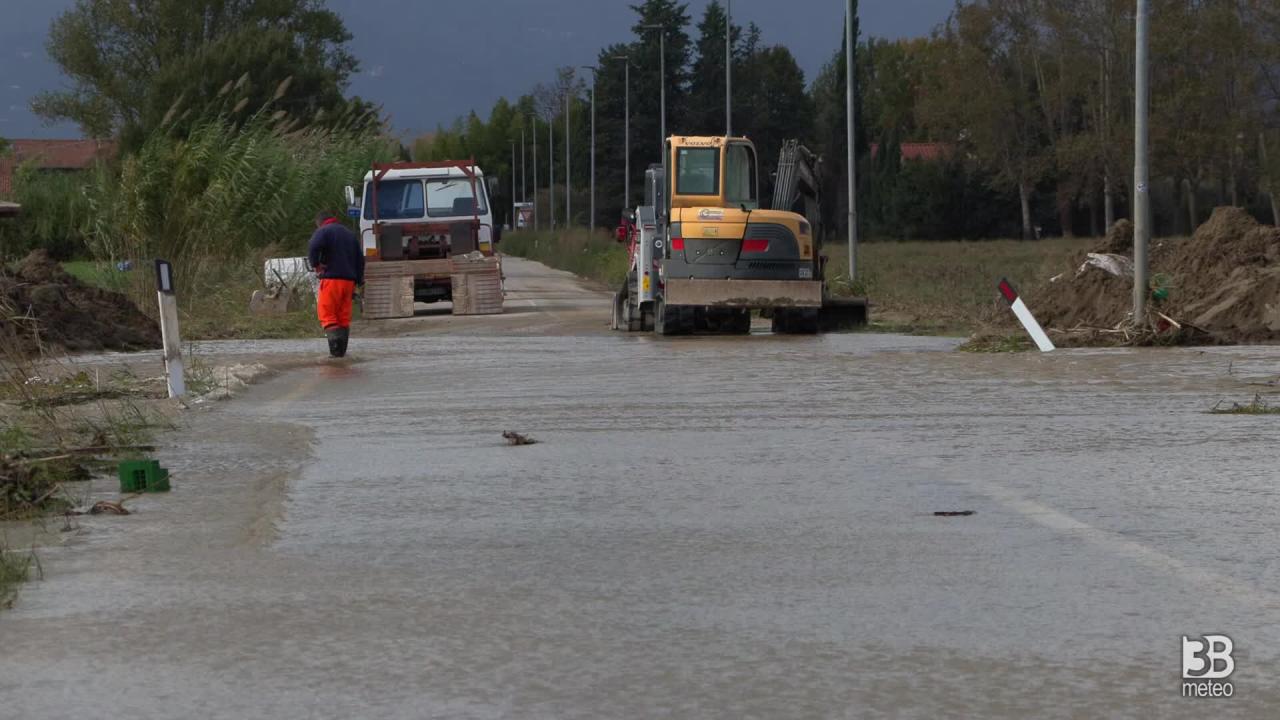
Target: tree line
[(771, 102), (1013, 118), (1054, 118), (169, 65)]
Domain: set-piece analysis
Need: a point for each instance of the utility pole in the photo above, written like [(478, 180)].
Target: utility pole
[(524, 195), (728, 68), (662, 95), (662, 90), (568, 176), (592, 219), (1141, 165), (849, 89), (551, 169), (533, 120), (513, 185), (626, 130)]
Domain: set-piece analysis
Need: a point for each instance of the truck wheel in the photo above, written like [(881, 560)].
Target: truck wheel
[(646, 318), (631, 315)]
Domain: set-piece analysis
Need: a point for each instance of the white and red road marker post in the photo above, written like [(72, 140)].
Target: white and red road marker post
[(1025, 317)]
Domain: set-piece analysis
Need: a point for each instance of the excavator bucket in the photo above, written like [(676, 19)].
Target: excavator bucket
[(842, 314)]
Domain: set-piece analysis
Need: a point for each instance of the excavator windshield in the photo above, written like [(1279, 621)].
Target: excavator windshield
[(698, 171)]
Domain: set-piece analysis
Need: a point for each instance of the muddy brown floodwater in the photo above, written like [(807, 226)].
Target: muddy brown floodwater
[(736, 527)]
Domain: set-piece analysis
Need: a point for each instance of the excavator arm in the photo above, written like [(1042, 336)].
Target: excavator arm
[(796, 189)]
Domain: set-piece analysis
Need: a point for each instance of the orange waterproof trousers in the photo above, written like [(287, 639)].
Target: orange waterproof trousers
[(334, 303)]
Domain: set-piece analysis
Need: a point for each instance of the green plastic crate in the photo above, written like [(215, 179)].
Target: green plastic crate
[(143, 476)]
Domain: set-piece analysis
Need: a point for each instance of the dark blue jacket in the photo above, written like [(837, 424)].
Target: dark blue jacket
[(336, 253)]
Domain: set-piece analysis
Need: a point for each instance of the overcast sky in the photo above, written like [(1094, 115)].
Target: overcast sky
[(429, 61)]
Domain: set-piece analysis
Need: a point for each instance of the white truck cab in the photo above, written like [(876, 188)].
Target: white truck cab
[(417, 196), (420, 221)]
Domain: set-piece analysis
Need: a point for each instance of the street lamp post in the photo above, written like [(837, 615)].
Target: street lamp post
[(662, 89), (524, 189), (568, 177), (513, 185), (1141, 163), (551, 169), (533, 120), (592, 218), (849, 90), (626, 129)]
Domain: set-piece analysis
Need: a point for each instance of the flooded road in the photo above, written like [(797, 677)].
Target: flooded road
[(738, 527)]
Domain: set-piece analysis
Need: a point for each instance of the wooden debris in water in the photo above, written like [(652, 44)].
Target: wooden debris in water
[(515, 438), (102, 507)]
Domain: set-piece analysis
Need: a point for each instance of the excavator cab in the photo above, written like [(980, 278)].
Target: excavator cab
[(719, 254), (725, 256), (716, 226), (714, 172)]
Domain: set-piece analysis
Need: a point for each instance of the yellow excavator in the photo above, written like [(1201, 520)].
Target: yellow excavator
[(705, 254)]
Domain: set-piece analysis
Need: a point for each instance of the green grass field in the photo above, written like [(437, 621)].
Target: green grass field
[(950, 287), (97, 273), (927, 287), (595, 256)]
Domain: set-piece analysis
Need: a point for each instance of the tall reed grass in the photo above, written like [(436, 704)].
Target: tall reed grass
[(54, 214), (218, 198)]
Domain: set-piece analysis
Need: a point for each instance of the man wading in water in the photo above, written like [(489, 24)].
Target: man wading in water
[(338, 259)]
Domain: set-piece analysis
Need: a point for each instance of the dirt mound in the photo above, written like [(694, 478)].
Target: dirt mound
[(1220, 286), (1119, 239), (48, 308)]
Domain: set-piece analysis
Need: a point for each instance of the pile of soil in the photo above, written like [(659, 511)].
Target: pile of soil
[(1119, 239), (45, 308), (1220, 286)]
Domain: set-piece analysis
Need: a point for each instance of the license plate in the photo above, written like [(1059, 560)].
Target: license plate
[(806, 273)]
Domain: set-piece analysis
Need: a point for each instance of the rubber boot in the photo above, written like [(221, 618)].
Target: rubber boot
[(344, 334), (334, 336)]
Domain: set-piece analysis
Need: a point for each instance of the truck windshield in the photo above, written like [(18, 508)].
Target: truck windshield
[(397, 200), (697, 171), (452, 197)]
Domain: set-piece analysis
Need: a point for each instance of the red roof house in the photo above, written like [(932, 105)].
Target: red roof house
[(50, 155), (927, 152)]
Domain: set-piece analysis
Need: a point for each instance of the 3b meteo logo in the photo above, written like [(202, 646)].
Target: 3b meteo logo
[(1206, 665)]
